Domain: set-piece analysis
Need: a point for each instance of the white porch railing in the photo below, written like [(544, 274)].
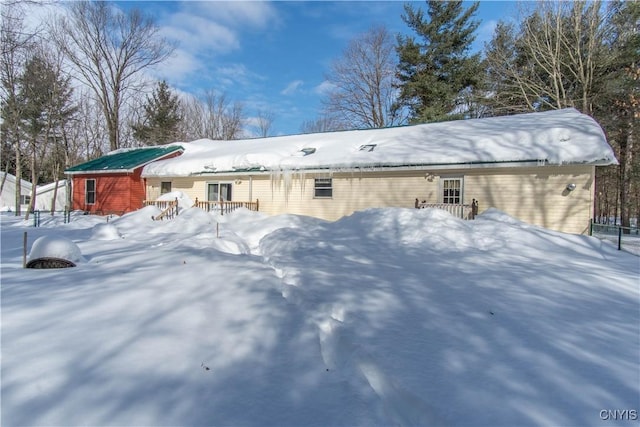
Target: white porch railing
[(462, 211)]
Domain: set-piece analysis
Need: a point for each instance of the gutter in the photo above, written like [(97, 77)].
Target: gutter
[(380, 168)]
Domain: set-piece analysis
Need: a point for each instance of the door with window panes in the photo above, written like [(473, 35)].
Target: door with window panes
[(219, 191), (452, 191)]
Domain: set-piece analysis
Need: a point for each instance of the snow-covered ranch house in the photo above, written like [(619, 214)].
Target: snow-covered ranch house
[(538, 167)]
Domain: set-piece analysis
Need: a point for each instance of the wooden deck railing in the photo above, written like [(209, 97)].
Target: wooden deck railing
[(224, 206), (170, 207), (462, 211)]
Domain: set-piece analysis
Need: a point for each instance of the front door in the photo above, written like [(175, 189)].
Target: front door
[(452, 191)]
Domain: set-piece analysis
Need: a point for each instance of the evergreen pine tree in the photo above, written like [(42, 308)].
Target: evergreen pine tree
[(45, 95), (437, 69), (162, 119)]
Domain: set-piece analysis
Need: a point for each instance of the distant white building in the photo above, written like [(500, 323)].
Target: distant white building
[(44, 195), (8, 194)]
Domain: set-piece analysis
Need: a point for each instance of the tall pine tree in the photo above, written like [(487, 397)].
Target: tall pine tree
[(162, 119), (46, 97), (436, 69)]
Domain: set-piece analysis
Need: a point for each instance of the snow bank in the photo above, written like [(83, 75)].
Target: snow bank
[(184, 201), (106, 232), (399, 317)]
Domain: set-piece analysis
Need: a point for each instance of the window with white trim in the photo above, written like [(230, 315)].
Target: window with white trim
[(90, 191), (452, 190), (165, 187), (217, 191), (323, 188)]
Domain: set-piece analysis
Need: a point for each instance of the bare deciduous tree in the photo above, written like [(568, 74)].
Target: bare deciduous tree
[(214, 117), (363, 82), (322, 124), (554, 59), (222, 120), (582, 55), (109, 50), (265, 122)]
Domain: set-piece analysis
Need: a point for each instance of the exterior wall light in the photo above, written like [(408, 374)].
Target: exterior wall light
[(571, 187)]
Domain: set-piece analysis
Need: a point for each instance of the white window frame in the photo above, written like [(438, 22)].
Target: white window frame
[(86, 191), (220, 184), (320, 184), (444, 183), (162, 185)]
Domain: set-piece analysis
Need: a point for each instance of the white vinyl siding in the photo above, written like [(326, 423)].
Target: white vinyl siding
[(533, 194)]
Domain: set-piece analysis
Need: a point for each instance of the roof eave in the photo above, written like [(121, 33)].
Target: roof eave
[(100, 171), (383, 167)]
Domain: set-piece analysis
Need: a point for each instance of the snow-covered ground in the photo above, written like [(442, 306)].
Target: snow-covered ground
[(388, 317)]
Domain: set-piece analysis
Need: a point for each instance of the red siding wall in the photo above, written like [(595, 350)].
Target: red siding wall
[(115, 192)]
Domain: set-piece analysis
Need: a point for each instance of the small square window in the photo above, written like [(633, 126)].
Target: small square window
[(24, 199), (323, 188), (165, 187)]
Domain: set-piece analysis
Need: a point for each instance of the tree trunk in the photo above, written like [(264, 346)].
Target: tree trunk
[(626, 166), (18, 181)]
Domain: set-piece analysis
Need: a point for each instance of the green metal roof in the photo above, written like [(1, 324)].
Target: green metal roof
[(124, 161)]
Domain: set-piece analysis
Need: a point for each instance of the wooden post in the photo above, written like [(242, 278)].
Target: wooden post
[(24, 250), (221, 206), (257, 205)]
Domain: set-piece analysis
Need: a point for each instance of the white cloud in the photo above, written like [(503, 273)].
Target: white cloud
[(206, 30), (324, 87), (196, 33), (236, 74), (292, 87), (241, 14)]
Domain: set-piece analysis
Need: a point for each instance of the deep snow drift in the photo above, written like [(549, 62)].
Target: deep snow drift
[(387, 317)]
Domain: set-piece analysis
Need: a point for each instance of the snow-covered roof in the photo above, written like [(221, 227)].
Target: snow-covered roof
[(12, 178), (555, 137)]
